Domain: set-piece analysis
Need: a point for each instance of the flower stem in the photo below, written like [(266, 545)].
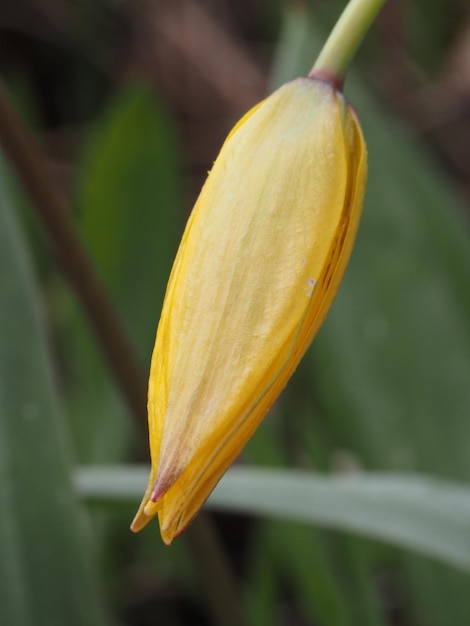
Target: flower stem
[(341, 46)]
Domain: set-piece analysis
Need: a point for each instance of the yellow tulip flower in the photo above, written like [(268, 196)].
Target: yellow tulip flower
[(259, 264)]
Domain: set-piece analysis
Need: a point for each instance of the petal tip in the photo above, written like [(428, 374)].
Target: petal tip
[(140, 521)]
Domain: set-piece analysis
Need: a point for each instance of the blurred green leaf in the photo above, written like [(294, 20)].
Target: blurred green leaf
[(429, 516), (392, 363), (290, 557), (47, 575), (128, 198), (262, 586), (129, 203), (296, 554)]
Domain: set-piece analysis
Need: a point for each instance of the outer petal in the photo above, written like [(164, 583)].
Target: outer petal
[(259, 264)]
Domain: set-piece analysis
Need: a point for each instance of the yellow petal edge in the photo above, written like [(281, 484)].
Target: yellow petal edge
[(258, 266)]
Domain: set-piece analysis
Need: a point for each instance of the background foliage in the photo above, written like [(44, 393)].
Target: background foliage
[(129, 102)]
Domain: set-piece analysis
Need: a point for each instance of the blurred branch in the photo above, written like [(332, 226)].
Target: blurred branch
[(205, 46), (436, 105), (53, 211), (181, 45)]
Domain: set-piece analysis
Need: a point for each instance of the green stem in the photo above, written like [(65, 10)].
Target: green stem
[(54, 213), (341, 46)]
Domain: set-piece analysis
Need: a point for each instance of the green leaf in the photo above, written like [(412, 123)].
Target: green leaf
[(298, 554), (129, 204), (47, 576), (391, 364), (128, 198), (429, 516)]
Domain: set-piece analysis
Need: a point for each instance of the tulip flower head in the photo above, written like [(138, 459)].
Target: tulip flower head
[(259, 264)]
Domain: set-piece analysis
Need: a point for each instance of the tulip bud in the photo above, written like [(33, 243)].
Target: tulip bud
[(259, 264)]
